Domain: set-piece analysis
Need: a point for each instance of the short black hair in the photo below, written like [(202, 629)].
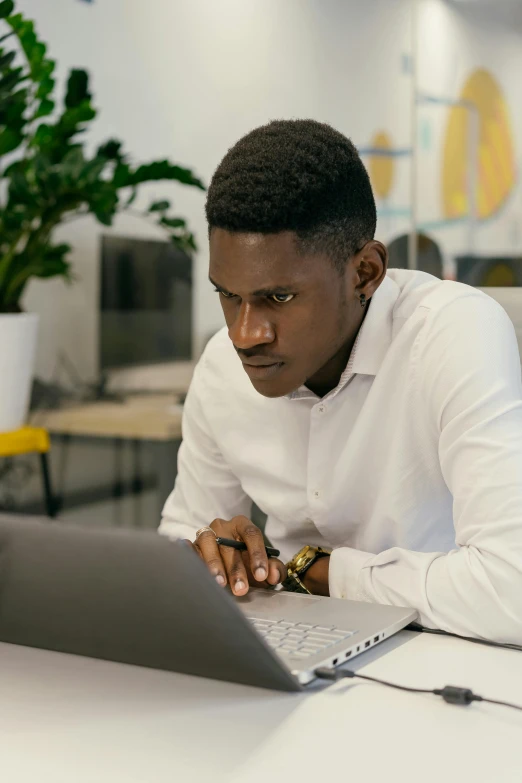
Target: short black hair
[(296, 175)]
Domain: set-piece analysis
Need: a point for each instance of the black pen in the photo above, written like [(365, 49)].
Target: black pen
[(242, 547)]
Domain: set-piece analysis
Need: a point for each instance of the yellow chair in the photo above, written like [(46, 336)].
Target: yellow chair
[(31, 440)]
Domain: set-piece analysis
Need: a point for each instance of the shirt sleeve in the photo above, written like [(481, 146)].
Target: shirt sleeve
[(469, 377), (205, 487)]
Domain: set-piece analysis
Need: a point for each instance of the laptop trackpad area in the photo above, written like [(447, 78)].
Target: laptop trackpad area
[(275, 605)]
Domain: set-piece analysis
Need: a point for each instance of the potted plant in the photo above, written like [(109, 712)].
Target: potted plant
[(46, 177)]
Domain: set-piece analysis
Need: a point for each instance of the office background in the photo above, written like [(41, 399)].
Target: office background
[(429, 91)]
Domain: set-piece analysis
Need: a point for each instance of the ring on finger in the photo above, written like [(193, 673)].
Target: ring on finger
[(204, 530)]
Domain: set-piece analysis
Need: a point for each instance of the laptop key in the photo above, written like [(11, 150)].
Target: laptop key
[(261, 621), (322, 638)]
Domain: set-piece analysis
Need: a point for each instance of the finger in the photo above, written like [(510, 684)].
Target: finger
[(276, 571), (236, 571), (207, 545), (192, 545), (253, 538)]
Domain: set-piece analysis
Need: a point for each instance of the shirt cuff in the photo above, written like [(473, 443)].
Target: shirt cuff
[(174, 530), (345, 569)]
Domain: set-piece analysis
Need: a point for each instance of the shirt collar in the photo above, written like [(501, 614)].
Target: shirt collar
[(372, 342)]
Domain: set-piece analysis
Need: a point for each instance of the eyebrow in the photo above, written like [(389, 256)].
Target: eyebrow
[(280, 289)]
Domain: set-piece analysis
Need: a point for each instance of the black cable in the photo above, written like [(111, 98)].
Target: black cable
[(450, 693), (505, 645)]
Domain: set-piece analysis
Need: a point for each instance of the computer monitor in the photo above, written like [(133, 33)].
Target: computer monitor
[(145, 303)]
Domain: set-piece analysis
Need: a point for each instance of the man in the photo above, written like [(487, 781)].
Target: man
[(377, 415)]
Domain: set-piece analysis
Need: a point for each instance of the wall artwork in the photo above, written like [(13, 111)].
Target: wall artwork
[(495, 176)]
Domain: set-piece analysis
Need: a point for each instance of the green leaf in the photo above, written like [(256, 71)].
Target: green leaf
[(110, 150), (92, 171), (12, 110), (159, 206), (173, 222), (43, 70), (72, 164), (77, 89), (9, 140), (45, 108), (163, 169), (71, 118), (43, 136), (45, 88), (104, 203), (52, 262), (15, 20), (6, 8), (122, 175), (11, 79), (6, 60), (38, 52)]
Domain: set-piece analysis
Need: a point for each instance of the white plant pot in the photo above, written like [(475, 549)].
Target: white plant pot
[(18, 335)]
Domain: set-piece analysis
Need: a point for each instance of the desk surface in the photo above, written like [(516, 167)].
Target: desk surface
[(151, 417), (66, 719)]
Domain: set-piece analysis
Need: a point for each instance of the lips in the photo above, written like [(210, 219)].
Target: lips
[(259, 362), (263, 371)]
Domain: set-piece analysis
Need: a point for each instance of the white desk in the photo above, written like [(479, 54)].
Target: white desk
[(73, 720)]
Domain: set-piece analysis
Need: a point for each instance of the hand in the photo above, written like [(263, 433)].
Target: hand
[(316, 578), (239, 569)]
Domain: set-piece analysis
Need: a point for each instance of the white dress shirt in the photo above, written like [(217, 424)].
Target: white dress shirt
[(410, 469)]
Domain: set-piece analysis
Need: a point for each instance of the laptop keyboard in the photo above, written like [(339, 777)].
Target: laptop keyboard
[(298, 640)]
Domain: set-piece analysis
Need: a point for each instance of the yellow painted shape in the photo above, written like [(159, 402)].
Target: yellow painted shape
[(496, 174), (382, 168)]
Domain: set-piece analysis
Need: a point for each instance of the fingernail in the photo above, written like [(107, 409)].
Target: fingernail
[(240, 585), (260, 574), (220, 580)]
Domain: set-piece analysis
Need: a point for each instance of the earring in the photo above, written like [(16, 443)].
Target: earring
[(362, 300)]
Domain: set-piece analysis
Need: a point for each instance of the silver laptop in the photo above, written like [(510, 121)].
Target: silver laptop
[(138, 598)]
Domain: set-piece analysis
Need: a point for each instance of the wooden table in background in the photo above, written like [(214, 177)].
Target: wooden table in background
[(151, 418)]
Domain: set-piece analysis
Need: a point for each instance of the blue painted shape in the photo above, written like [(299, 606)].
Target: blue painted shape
[(394, 212), (383, 153), (425, 135)]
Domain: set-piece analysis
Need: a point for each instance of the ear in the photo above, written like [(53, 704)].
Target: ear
[(371, 264)]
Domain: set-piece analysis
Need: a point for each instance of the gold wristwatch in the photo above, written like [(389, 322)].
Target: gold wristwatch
[(299, 565)]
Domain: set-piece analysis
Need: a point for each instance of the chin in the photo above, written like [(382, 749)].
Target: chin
[(275, 388), (271, 390)]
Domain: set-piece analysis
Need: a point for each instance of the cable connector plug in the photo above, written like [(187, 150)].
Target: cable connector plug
[(454, 695)]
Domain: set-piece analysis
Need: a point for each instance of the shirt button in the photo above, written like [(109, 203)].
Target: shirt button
[(321, 409), (317, 493)]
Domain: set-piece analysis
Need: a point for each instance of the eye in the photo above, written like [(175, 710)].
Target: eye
[(282, 298), (224, 293)]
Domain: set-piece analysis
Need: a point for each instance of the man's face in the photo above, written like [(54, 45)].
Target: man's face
[(287, 313)]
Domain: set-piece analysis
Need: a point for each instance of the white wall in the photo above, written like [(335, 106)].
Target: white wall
[(185, 79)]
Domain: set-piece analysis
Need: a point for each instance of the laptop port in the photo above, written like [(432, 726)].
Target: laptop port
[(334, 661), (348, 654), (375, 638), (366, 644)]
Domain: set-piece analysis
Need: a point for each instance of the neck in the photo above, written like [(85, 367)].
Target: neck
[(328, 377)]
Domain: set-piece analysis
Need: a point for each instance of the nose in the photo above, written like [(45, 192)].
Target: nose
[(249, 328)]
